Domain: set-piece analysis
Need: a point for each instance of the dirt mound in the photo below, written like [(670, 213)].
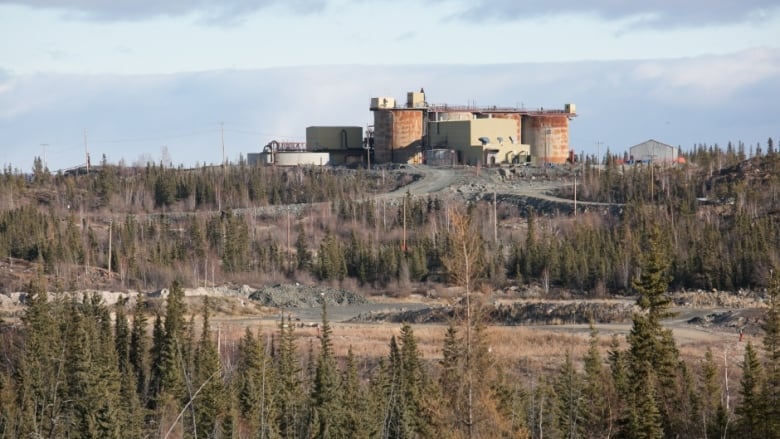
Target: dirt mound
[(516, 313), (304, 296), (746, 320)]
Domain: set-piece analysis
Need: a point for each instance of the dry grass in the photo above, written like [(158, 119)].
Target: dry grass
[(524, 349)]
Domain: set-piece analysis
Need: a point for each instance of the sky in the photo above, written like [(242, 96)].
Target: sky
[(139, 80)]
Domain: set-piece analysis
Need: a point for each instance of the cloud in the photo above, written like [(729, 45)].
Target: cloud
[(211, 11), (658, 13), (709, 79)]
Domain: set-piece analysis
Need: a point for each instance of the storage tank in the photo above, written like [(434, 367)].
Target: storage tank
[(548, 135), (398, 135)]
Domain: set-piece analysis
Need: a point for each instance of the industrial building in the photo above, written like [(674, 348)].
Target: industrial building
[(288, 154), (344, 144), (418, 132), (478, 135), (653, 151)]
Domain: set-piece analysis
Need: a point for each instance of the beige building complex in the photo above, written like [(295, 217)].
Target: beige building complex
[(478, 135)]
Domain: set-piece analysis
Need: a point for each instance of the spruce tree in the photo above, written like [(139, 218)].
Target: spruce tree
[(210, 404), (751, 411), (122, 336), (256, 386), (597, 391), (568, 388), (139, 350), (395, 422), (771, 327), (653, 355), (39, 371), (291, 405), (326, 394), (172, 358), (413, 383), (356, 418), (302, 253)]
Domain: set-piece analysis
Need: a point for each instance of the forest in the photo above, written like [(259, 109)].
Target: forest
[(74, 367)]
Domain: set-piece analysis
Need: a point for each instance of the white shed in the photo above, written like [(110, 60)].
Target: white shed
[(653, 151)]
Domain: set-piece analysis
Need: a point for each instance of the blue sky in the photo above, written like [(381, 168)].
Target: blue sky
[(140, 76)]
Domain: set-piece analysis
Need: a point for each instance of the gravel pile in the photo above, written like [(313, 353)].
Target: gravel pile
[(304, 296), (548, 313)]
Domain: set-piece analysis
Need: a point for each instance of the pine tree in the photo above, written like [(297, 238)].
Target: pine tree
[(714, 421), (596, 392), (138, 351), (93, 380), (356, 419), (122, 336), (653, 355), (132, 412), (40, 367), (326, 395), (156, 363), (750, 413), (172, 353), (291, 409), (209, 404), (302, 254), (256, 386), (771, 327), (395, 422), (568, 388), (413, 382)]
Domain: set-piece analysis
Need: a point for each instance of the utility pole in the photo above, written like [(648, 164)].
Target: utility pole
[(110, 226), (546, 147), (404, 227), (495, 218), (575, 193)]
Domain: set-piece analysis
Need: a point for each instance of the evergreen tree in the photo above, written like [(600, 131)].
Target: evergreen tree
[(256, 386), (209, 404), (122, 336), (771, 327), (653, 355), (302, 254), (138, 350), (292, 419), (714, 417), (40, 367), (172, 352), (93, 381), (156, 363), (597, 391), (568, 388), (413, 383), (326, 394), (750, 413), (395, 422), (356, 419)]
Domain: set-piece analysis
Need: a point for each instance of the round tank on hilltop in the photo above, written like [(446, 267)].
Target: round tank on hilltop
[(548, 136), (398, 135)]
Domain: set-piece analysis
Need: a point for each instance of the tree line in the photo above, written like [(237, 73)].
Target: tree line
[(721, 227), (71, 370)]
